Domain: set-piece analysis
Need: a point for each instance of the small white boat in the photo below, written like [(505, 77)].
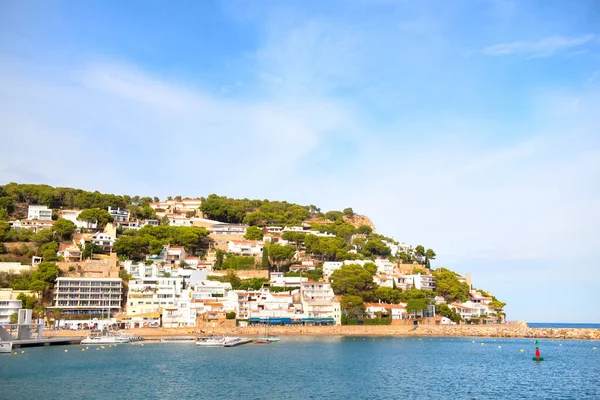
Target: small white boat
[(5, 347), (224, 341), (106, 339)]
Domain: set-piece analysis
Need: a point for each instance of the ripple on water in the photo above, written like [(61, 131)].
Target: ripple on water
[(306, 368)]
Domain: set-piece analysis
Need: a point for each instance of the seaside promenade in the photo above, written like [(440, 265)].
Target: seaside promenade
[(509, 330)]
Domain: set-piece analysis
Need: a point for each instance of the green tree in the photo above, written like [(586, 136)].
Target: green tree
[(219, 259), (351, 279), (296, 238), (449, 287), (371, 267), (388, 295), (365, 230), (420, 254), (253, 233), (95, 216), (352, 306), (90, 249), (4, 229), (233, 279), (223, 209), (14, 318), (334, 215), (42, 237), (348, 212), (279, 253), (265, 258), (447, 312), (429, 255), (375, 247), (131, 246), (405, 258), (27, 301), (63, 228), (416, 305), (49, 251)]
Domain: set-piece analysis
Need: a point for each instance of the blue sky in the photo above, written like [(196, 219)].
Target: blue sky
[(471, 127)]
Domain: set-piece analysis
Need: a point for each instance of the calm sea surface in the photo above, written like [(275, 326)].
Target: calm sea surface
[(309, 368)]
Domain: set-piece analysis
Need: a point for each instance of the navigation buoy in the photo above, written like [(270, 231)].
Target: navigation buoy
[(593, 348), (522, 351), (560, 345), (66, 350), (538, 356)]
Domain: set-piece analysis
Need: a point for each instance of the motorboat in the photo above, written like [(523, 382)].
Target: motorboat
[(221, 341), (107, 339), (5, 347)]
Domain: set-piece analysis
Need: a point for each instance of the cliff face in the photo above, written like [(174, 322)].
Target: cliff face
[(358, 220)]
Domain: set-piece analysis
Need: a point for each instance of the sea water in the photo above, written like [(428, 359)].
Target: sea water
[(309, 368)]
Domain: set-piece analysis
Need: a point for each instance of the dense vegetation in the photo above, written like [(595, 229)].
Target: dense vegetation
[(136, 244), (60, 197), (237, 283)]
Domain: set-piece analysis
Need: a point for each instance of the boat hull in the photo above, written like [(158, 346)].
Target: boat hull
[(5, 347)]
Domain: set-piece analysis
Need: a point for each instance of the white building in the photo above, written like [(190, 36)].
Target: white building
[(318, 304), (228, 229), (384, 266), (119, 214), (104, 240), (147, 295), (329, 267), (88, 295), (35, 225), (245, 247), (182, 314), (71, 215), (384, 280), (422, 281), (9, 304), (278, 279), (174, 206), (42, 213), (179, 220), (210, 290), (396, 311)]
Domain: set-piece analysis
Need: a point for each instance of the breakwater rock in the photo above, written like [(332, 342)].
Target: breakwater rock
[(508, 331)]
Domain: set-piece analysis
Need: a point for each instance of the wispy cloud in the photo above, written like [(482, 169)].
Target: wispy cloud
[(542, 48)]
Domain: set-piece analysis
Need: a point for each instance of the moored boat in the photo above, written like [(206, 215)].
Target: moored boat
[(5, 347), (108, 338)]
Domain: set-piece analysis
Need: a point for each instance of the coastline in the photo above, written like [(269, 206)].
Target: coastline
[(509, 330)]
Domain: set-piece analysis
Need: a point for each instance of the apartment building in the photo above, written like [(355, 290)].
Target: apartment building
[(88, 295)]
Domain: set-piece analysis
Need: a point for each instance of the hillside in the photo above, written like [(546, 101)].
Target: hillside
[(369, 267)]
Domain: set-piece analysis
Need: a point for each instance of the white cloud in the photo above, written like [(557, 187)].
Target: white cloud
[(542, 48), (140, 128)]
